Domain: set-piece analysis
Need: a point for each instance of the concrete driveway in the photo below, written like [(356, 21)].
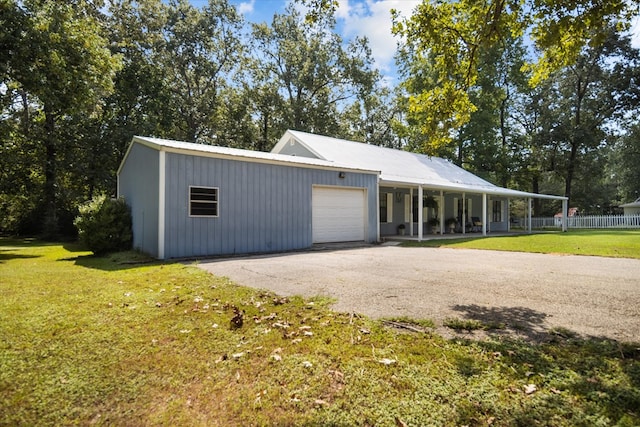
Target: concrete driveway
[(531, 294)]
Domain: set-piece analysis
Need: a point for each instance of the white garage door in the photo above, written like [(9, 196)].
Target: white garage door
[(338, 214)]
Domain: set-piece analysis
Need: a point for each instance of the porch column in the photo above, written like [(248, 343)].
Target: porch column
[(464, 212), (508, 215), (565, 214), (378, 209), (529, 209), (484, 214), (420, 213), (441, 212), (411, 214)]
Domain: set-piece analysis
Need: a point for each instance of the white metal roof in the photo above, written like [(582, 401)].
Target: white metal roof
[(238, 154), (398, 167), (635, 204)]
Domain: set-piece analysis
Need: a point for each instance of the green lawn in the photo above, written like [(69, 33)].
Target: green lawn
[(112, 341), (609, 243)]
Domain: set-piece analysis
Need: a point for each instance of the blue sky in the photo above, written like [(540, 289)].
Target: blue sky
[(370, 18)]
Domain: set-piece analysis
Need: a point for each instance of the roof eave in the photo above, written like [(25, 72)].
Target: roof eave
[(498, 191), (291, 161)]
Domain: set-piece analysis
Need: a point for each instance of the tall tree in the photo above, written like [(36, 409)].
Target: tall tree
[(452, 35), (305, 68), (626, 160), (61, 65), (371, 119), (596, 94), (199, 52)]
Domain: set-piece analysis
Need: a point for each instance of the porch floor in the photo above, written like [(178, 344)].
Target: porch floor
[(469, 235)]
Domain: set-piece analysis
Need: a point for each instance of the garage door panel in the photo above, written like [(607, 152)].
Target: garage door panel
[(338, 214)]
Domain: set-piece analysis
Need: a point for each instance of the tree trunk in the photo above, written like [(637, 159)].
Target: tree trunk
[(570, 172), (503, 135), (265, 131), (536, 202), (50, 222)]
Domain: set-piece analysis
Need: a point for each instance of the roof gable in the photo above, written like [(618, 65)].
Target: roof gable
[(634, 204), (394, 165)]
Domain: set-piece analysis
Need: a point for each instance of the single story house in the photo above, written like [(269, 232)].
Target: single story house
[(447, 191), (195, 200), (632, 208)]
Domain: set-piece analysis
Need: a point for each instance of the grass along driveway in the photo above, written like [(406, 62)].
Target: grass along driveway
[(607, 243), (102, 341)]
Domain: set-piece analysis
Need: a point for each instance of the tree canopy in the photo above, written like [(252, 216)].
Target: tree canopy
[(450, 37)]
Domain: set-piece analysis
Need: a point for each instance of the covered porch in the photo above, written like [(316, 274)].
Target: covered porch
[(419, 212)]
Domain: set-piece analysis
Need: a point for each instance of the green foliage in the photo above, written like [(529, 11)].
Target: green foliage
[(75, 69), (445, 42), (104, 225), (307, 70)]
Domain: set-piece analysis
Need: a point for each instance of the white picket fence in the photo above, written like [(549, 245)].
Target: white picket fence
[(591, 221)]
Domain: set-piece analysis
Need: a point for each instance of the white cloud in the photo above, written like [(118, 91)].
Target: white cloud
[(372, 19), (246, 7)]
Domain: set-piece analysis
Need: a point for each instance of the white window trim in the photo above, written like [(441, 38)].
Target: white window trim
[(217, 202)]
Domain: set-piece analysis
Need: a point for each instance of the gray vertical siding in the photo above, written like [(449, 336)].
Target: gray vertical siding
[(138, 184), (296, 149), (262, 207)]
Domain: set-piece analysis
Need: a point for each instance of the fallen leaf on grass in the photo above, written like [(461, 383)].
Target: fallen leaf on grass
[(387, 362), (530, 389), (281, 325), (307, 364), (320, 402)]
